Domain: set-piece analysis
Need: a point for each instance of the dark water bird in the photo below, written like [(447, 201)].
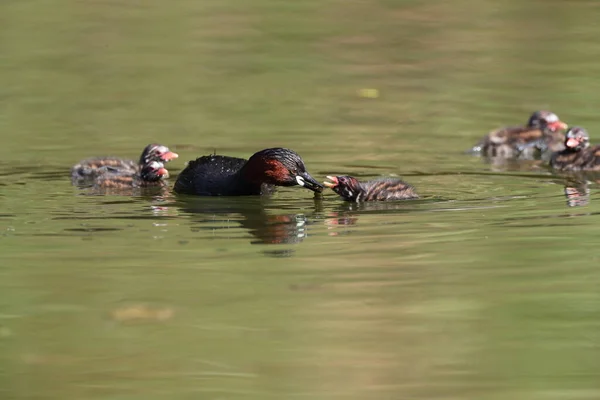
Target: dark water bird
[(230, 176), (542, 132), (152, 174), (578, 155), (89, 169), (388, 189)]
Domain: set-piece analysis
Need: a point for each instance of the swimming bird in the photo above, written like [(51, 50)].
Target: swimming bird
[(577, 155), (542, 132), (88, 170), (387, 189), (216, 175), (152, 174)]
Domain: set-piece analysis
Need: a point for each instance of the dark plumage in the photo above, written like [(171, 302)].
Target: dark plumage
[(89, 169), (388, 189), (152, 174), (229, 176), (542, 132), (577, 155)]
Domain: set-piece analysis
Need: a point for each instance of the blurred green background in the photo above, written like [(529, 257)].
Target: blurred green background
[(488, 288)]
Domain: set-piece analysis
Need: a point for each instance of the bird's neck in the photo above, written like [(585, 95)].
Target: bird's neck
[(246, 181)]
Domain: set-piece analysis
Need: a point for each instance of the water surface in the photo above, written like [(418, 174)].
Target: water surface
[(486, 288)]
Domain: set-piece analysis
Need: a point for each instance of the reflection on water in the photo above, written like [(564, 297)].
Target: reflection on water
[(498, 164), (577, 194), (293, 295), (576, 186), (217, 214), (486, 288)]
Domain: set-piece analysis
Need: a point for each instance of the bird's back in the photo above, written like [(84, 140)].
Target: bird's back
[(387, 189), (210, 176), (116, 180), (584, 160), (91, 168), (509, 141)]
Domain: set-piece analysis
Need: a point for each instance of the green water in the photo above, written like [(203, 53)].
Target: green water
[(486, 288)]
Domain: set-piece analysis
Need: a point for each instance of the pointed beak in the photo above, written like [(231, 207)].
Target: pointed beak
[(558, 125), (334, 182), (307, 181), (572, 143), (163, 173), (168, 156)]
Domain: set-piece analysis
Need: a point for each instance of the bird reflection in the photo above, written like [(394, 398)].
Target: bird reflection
[(276, 229), (576, 184), (146, 192), (498, 164), (577, 195), (577, 187), (340, 219), (252, 215)]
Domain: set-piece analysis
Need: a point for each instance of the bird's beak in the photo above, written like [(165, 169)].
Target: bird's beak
[(572, 143), (168, 156), (334, 182), (305, 180), (558, 125), (163, 173)]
